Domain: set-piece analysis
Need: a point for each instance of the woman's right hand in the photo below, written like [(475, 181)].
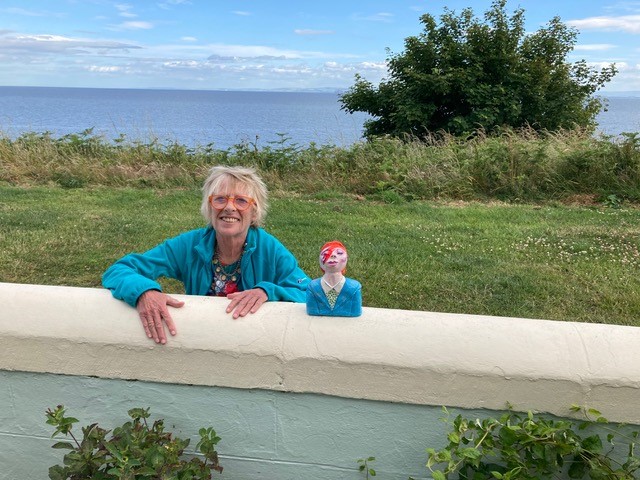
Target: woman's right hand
[(153, 311)]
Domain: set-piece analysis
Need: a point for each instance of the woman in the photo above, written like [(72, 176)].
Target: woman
[(231, 257), (334, 294)]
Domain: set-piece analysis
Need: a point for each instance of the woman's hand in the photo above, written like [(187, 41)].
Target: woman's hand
[(152, 308), (247, 301)]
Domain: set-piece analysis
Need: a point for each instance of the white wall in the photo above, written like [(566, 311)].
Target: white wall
[(388, 369), (394, 355)]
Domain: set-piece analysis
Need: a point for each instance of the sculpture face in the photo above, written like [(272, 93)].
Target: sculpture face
[(333, 260)]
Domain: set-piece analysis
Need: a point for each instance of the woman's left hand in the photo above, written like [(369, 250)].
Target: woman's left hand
[(247, 301)]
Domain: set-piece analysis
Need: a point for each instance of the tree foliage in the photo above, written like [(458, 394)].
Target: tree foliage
[(462, 74)]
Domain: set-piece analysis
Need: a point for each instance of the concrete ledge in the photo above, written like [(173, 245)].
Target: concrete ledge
[(422, 358)]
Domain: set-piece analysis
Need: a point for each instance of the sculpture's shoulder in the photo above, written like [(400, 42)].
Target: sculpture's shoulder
[(352, 285)]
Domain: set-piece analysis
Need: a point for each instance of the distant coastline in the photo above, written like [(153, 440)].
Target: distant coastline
[(334, 90)]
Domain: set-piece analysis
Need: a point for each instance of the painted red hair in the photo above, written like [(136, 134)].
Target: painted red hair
[(328, 248)]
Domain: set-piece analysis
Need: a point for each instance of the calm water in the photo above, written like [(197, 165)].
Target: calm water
[(209, 117)]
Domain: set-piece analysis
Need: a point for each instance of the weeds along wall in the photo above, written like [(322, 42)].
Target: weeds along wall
[(293, 396)]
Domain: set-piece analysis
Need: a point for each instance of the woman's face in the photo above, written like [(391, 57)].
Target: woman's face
[(229, 221), (333, 260)]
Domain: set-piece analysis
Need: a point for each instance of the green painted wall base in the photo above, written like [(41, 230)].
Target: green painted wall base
[(265, 434)]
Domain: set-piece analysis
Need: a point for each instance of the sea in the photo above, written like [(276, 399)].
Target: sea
[(214, 119)]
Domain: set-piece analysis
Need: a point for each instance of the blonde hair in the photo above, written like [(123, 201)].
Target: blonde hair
[(235, 178)]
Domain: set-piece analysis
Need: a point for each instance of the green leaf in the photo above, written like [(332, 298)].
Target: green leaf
[(470, 453), (66, 445), (148, 471), (57, 473), (578, 468), (592, 444), (438, 475), (114, 451), (508, 436)]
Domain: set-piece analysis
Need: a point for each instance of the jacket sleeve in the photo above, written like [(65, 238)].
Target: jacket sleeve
[(134, 274)]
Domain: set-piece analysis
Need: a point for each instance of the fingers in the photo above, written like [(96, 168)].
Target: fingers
[(153, 327), (249, 301), (172, 302), (153, 312)]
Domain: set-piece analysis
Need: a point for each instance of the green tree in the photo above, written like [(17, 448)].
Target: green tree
[(464, 74)]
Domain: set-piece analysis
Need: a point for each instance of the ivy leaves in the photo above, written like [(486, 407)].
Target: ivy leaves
[(531, 447)]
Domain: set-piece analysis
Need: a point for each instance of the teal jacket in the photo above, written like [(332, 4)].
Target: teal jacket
[(266, 264)]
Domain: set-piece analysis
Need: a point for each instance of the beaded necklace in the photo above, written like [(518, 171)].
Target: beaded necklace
[(226, 278)]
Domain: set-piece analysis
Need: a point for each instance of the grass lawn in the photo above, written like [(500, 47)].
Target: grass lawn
[(557, 262)]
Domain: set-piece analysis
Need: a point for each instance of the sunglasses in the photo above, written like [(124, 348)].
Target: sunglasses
[(241, 202)]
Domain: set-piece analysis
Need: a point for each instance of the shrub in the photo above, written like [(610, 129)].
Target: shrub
[(532, 447), (133, 451)]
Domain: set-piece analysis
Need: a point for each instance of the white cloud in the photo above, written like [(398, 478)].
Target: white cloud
[(356, 67), (183, 64), (171, 3), (30, 13), (379, 17), (373, 65), (104, 69), (124, 10), (621, 66), (135, 25), (189, 39), (241, 13), (628, 6), (47, 44), (303, 31), (219, 59), (596, 47), (250, 51), (626, 23)]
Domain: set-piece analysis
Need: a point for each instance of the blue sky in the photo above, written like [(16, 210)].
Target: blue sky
[(263, 44)]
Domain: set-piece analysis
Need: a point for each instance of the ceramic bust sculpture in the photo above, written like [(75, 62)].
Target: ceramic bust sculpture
[(333, 294)]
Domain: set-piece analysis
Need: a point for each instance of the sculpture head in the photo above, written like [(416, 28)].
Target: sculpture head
[(333, 257)]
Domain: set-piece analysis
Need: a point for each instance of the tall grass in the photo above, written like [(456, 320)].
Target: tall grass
[(515, 166)]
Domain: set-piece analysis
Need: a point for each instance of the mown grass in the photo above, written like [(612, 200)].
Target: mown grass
[(552, 261)]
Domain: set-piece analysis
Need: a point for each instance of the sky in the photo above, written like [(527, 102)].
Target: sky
[(264, 44)]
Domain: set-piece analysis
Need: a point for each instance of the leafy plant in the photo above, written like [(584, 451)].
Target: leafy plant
[(364, 465), (527, 447), (612, 201), (134, 451)]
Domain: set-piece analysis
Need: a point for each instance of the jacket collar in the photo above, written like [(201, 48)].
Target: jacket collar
[(207, 243)]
